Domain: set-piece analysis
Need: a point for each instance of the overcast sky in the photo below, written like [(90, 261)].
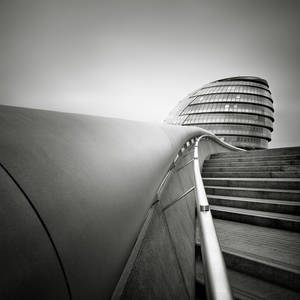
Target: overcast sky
[(136, 59)]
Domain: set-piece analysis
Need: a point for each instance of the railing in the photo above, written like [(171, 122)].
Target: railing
[(216, 280), (219, 141)]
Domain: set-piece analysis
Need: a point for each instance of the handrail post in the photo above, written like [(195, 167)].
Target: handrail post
[(216, 281)]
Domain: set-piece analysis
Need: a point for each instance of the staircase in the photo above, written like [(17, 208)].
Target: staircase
[(254, 197)]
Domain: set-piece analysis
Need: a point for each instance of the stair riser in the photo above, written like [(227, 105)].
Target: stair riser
[(256, 158), (211, 163), (292, 185), (277, 208), (289, 168), (257, 220), (278, 151), (254, 194), (242, 291), (257, 269), (263, 271), (251, 174)]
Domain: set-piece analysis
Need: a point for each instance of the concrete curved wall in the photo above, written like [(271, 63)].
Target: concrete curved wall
[(75, 192)]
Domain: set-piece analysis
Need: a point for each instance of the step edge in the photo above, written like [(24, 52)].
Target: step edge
[(256, 200), (253, 189), (258, 259), (255, 213)]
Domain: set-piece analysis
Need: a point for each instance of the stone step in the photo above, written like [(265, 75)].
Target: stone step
[(271, 205), (254, 198), (223, 163), (259, 251), (252, 174), (273, 151), (262, 168), (277, 194), (260, 218), (268, 183), (246, 158), (246, 287)]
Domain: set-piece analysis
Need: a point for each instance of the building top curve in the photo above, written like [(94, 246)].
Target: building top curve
[(245, 78)]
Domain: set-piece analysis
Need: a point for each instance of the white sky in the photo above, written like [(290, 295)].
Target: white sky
[(136, 59)]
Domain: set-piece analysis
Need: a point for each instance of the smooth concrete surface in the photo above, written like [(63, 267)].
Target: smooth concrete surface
[(163, 262), (186, 177), (28, 261), (180, 219), (92, 181), (172, 190), (156, 274), (120, 287), (186, 158)]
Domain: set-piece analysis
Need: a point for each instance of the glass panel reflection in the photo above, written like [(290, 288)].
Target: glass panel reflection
[(229, 107)]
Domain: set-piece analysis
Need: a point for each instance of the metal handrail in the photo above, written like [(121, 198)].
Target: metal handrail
[(216, 280), (219, 141), (215, 274)]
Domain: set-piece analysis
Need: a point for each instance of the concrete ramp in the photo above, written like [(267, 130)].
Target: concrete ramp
[(77, 196)]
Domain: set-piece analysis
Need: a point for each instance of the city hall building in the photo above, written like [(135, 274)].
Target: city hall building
[(238, 109)]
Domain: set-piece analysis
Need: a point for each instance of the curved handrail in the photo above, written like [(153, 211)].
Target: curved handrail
[(219, 141), (216, 279)]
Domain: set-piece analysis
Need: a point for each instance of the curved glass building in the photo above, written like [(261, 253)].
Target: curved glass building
[(238, 109)]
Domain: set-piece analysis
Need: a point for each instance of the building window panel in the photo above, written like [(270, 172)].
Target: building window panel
[(230, 108)]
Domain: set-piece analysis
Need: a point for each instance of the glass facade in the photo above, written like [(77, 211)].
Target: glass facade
[(239, 110), (234, 98), (234, 89), (228, 107)]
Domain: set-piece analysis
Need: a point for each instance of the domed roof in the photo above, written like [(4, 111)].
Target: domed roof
[(245, 78)]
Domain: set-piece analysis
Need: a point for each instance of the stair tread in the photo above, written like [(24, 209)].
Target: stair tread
[(279, 151), (275, 247), (252, 168), (257, 213), (261, 157), (252, 174), (248, 287), (269, 244), (260, 236), (250, 171), (247, 199), (212, 162), (237, 167), (262, 183), (253, 189), (254, 179)]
